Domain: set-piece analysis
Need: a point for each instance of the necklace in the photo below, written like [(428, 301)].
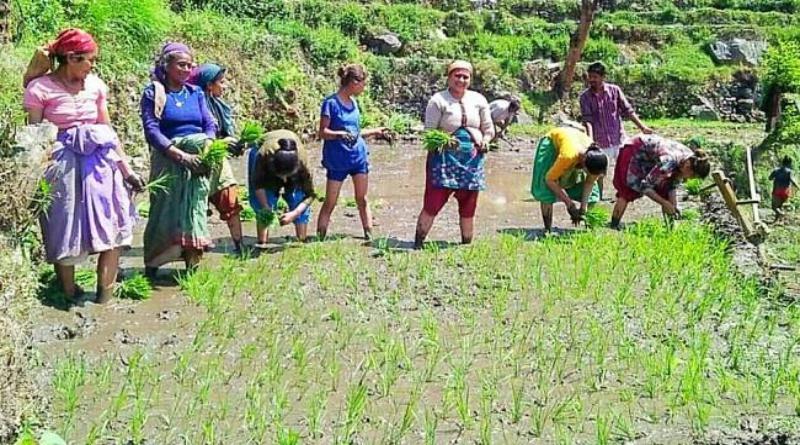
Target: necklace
[(180, 97)]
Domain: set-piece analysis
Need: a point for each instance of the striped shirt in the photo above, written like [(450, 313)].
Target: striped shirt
[(605, 111)]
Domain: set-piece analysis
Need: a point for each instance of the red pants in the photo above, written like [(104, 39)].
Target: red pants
[(436, 198), (782, 193), (227, 202)]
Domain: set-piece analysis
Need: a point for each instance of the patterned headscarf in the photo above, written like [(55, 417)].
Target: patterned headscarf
[(72, 41)]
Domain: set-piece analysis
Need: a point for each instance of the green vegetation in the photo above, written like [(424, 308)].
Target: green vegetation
[(437, 140), (134, 287), (252, 133), (212, 155), (501, 339)]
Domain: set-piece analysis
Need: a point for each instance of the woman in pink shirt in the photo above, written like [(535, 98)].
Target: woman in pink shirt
[(91, 211)]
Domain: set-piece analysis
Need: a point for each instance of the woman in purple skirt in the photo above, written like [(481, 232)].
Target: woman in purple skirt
[(91, 211)]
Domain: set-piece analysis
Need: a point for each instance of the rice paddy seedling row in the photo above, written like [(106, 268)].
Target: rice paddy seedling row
[(598, 337)]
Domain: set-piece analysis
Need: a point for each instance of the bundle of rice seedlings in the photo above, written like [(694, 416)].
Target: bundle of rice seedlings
[(135, 287), (267, 218), (247, 213), (437, 140), (159, 184), (213, 155), (252, 133), (597, 216)]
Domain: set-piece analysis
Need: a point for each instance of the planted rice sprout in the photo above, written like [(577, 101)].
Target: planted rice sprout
[(213, 155), (597, 216), (252, 133), (437, 140), (693, 186), (135, 287)]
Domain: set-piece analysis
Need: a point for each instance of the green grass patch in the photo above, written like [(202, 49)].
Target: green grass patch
[(565, 339)]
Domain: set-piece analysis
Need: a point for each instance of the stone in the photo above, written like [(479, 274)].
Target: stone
[(384, 44), (703, 113), (738, 51), (745, 106), (524, 118)]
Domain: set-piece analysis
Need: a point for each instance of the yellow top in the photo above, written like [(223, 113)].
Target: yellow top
[(569, 144)]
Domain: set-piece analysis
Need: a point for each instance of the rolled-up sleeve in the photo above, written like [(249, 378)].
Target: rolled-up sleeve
[(151, 124), (625, 108)]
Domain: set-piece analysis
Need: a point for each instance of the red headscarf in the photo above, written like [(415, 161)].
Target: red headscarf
[(72, 40)]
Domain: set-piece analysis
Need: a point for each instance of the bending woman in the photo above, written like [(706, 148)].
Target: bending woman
[(280, 167), (566, 167), (91, 210), (456, 171), (653, 166), (224, 191), (177, 125)]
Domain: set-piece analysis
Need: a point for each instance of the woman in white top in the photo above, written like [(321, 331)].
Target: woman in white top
[(457, 170)]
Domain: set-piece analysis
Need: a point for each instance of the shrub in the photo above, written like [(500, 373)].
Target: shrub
[(350, 19), (601, 49), (409, 22), (326, 46), (258, 9), (781, 66), (456, 23), (132, 28), (38, 19)]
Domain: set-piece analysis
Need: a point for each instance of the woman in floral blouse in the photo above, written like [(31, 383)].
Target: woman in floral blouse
[(653, 166)]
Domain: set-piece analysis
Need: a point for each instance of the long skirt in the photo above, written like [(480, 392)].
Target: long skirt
[(90, 208), (178, 217), (572, 182)]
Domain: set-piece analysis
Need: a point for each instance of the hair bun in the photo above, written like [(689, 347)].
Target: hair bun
[(700, 154)]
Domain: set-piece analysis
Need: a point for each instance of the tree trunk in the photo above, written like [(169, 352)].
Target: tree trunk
[(576, 44)]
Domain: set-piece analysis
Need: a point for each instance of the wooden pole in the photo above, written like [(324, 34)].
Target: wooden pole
[(729, 196)]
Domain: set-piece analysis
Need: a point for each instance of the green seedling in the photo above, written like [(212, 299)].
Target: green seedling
[(135, 287), (437, 140), (212, 155), (160, 184), (252, 133), (597, 216)]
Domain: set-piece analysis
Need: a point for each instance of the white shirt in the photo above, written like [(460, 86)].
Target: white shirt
[(500, 110)]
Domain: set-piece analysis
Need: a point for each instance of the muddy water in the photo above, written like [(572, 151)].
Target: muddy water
[(396, 187)]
